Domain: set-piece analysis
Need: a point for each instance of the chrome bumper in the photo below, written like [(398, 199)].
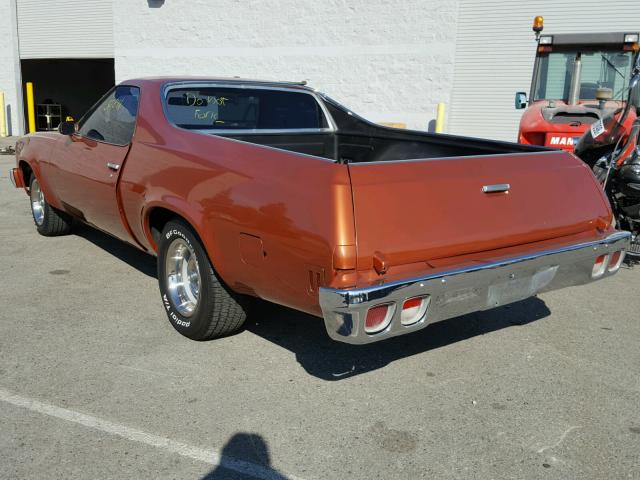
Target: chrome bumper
[(12, 177), (467, 289)]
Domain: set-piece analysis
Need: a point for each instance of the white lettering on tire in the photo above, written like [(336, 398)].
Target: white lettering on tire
[(172, 315)]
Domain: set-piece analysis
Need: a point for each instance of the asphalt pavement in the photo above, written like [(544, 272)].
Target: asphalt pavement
[(95, 383)]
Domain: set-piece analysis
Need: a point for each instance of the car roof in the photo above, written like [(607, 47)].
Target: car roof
[(227, 80)]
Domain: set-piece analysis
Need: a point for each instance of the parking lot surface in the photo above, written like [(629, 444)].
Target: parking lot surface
[(95, 383)]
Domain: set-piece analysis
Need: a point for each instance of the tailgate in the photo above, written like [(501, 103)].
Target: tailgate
[(420, 210)]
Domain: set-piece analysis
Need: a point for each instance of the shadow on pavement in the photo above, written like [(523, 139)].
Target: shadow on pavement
[(306, 337), (139, 260), (245, 455)]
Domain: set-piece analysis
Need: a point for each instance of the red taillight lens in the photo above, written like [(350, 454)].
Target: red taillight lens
[(414, 309), (600, 266), (378, 318), (616, 260)]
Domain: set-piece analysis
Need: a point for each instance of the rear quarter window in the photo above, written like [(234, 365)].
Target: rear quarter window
[(228, 108)]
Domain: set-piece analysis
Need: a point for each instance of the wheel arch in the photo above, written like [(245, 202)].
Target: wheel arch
[(156, 217), (26, 171), (29, 167)]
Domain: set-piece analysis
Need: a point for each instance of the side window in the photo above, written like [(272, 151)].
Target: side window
[(113, 120), (228, 108)]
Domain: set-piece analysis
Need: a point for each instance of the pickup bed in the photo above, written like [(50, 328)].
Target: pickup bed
[(273, 190)]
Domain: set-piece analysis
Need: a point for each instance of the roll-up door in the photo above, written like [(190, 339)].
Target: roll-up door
[(496, 48), (65, 28)]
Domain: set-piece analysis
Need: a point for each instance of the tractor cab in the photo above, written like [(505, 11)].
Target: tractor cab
[(578, 79)]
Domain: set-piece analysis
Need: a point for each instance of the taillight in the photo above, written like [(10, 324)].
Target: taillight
[(378, 318), (414, 309), (600, 266), (616, 260)]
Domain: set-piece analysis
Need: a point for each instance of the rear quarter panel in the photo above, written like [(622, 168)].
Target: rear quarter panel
[(294, 209)]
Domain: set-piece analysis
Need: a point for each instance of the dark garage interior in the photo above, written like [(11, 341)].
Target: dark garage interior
[(66, 87)]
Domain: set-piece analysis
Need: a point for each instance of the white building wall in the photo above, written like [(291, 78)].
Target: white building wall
[(389, 61), (10, 68)]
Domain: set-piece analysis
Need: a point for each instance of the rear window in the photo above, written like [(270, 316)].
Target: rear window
[(227, 108)]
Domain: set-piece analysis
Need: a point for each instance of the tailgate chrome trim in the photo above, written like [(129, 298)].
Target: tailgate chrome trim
[(465, 289)]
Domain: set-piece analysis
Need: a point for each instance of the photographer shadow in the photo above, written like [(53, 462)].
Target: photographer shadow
[(245, 455)]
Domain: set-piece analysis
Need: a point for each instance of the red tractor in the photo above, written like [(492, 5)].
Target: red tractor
[(578, 79)]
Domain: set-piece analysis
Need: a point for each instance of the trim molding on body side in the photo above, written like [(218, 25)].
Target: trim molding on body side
[(468, 288)]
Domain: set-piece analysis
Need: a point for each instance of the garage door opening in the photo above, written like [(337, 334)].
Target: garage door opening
[(65, 87)]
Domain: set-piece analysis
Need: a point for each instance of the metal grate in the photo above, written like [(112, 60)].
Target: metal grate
[(634, 248)]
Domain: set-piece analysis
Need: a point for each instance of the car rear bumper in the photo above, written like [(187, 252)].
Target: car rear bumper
[(15, 175), (465, 289)]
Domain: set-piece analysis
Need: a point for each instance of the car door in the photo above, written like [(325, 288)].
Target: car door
[(89, 162)]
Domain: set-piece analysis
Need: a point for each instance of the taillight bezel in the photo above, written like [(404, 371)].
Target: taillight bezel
[(421, 313), (618, 263), (600, 265), (382, 326)]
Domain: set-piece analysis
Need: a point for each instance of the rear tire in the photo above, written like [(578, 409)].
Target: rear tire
[(199, 305), (49, 221)]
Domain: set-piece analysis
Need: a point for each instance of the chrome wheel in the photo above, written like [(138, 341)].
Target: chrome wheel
[(37, 203), (182, 277)]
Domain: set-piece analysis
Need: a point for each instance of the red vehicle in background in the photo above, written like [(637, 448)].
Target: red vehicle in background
[(578, 79)]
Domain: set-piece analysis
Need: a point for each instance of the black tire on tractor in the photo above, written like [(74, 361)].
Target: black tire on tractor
[(198, 303), (49, 221)]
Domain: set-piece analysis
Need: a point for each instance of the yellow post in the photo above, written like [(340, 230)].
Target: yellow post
[(3, 114), (440, 118), (31, 109)]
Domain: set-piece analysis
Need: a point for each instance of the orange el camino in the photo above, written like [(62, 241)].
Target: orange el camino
[(273, 190)]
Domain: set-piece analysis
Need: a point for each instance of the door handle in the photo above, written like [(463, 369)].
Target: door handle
[(499, 187), (113, 166)]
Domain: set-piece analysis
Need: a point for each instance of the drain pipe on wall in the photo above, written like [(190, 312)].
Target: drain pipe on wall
[(3, 114)]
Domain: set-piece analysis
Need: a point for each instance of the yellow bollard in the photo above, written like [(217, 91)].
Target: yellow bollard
[(440, 118), (3, 114), (31, 109)]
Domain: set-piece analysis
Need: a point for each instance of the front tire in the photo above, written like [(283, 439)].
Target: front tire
[(49, 221), (199, 305)]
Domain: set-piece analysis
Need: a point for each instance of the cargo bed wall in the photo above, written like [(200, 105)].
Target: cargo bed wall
[(357, 140), (356, 147)]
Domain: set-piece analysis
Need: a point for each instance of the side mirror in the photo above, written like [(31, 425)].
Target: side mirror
[(67, 128), (521, 100)]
